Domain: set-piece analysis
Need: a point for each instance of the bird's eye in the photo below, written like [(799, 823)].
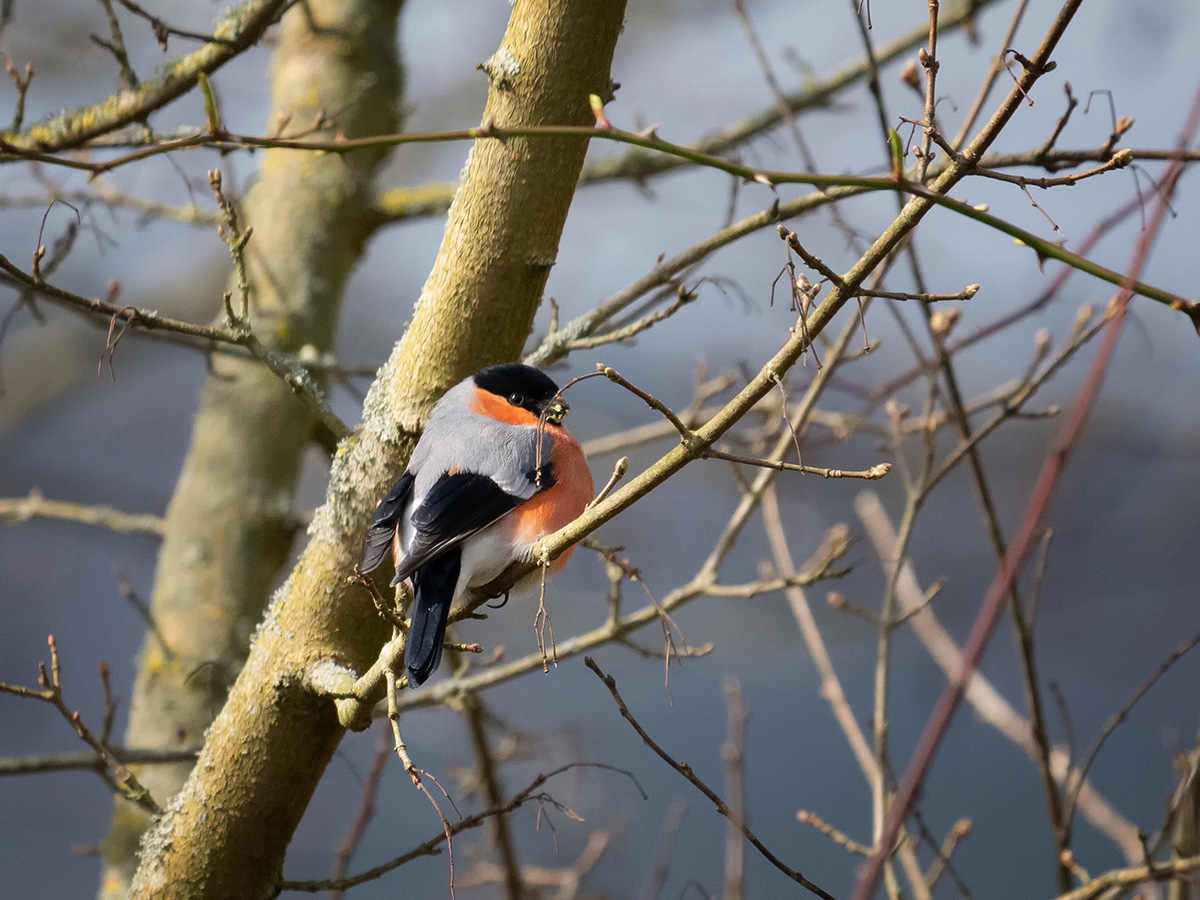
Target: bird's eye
[(516, 399)]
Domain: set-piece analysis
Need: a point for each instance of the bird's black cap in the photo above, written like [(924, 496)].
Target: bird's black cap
[(519, 384)]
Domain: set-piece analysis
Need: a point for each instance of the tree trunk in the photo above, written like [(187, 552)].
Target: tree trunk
[(225, 834), (230, 522)]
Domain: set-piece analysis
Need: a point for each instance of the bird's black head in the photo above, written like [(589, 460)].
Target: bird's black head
[(524, 387)]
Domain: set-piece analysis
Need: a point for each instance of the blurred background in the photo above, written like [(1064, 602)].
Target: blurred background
[(1123, 573)]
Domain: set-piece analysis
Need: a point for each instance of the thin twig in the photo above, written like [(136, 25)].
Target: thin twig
[(51, 692), (162, 30), (872, 474), (366, 812), (414, 772), (927, 56), (619, 469), (967, 293), (993, 73), (733, 753), (125, 586), (834, 833), (296, 377), (493, 790), (657, 879), (14, 510), (1075, 782), (958, 831), (83, 760), (531, 794), (686, 771), (686, 434), (1160, 871), (21, 83)]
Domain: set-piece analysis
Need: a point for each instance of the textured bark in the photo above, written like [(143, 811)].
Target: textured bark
[(504, 224), (229, 526), (226, 832)]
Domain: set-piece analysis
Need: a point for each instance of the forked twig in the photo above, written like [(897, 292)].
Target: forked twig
[(124, 781)]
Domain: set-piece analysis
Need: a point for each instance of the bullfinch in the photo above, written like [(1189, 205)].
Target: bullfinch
[(493, 473)]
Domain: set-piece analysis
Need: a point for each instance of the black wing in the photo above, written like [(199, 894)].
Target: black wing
[(384, 524), (457, 506)]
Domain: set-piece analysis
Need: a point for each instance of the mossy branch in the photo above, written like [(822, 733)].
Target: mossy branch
[(237, 31)]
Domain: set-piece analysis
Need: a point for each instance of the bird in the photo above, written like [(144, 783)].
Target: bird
[(493, 473)]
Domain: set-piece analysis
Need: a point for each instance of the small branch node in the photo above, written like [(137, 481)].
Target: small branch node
[(618, 473)]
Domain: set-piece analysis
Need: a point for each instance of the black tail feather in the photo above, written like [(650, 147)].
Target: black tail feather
[(433, 593), (384, 524)]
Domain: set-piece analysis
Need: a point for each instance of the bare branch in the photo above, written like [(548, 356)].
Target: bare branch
[(532, 794), (237, 31), (72, 762), (51, 692), (15, 510)]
